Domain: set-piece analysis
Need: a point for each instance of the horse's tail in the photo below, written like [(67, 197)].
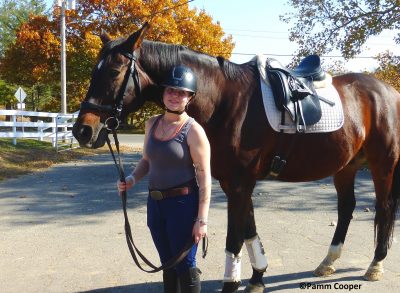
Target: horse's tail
[(396, 190), (393, 203)]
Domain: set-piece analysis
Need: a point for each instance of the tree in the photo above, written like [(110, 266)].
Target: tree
[(7, 92), (321, 26), (12, 15), (171, 21), (29, 61), (336, 67), (389, 69), (36, 56)]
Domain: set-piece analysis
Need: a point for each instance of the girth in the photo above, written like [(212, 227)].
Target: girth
[(294, 93)]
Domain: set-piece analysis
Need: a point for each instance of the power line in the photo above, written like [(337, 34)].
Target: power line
[(261, 37), (255, 31), (286, 38), (292, 55), (286, 32)]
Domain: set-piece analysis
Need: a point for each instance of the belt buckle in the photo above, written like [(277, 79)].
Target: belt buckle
[(156, 194)]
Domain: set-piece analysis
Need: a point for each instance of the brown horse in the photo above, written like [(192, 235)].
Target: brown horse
[(229, 107)]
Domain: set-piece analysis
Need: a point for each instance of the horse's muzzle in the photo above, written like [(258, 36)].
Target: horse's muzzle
[(83, 134), (89, 137)]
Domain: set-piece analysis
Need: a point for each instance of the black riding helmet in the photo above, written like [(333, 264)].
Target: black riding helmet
[(181, 77)]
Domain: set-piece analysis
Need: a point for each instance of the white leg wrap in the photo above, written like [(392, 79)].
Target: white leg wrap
[(256, 253), (233, 266), (334, 253)]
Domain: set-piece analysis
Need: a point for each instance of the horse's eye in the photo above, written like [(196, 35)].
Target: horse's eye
[(114, 73)]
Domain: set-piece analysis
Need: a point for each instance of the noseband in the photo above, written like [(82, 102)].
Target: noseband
[(114, 111)]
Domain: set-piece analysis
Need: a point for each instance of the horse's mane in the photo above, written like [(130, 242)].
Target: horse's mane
[(235, 71), (169, 55)]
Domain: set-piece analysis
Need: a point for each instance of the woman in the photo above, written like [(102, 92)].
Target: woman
[(176, 153)]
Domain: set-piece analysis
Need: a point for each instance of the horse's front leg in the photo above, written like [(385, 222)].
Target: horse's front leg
[(242, 228)]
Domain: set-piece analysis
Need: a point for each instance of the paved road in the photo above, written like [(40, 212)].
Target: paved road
[(134, 140), (61, 230)]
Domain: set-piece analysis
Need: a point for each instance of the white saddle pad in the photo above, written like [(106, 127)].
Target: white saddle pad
[(332, 116)]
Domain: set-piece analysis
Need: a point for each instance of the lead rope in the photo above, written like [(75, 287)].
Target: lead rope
[(128, 233)]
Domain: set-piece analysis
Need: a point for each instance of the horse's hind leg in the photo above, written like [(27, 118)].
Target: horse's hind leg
[(344, 184), (386, 179)]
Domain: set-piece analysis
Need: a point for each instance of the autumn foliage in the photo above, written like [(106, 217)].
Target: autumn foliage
[(389, 69), (35, 51), (35, 56)]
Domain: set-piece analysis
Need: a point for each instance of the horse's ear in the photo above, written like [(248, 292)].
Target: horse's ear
[(135, 40), (105, 38)]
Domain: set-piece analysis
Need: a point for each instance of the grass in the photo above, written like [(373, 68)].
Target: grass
[(32, 155)]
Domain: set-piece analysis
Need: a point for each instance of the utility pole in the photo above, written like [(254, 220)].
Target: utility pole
[(64, 5)]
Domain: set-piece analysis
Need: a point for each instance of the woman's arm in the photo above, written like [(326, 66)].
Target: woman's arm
[(142, 168), (200, 152)]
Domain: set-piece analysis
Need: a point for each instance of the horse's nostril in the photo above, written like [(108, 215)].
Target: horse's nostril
[(83, 133)]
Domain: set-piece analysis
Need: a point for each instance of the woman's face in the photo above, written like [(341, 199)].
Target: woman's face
[(176, 99)]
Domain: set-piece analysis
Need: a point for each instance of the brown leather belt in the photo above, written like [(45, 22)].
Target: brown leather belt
[(161, 194)]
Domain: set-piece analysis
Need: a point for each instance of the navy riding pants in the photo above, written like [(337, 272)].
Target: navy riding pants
[(171, 221)]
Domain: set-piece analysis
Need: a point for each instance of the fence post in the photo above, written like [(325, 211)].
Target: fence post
[(14, 128), (40, 128), (54, 130)]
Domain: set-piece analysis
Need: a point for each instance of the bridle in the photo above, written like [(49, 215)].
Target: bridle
[(114, 112), (111, 124)]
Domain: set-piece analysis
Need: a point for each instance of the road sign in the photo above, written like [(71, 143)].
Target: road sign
[(20, 94), (20, 106)]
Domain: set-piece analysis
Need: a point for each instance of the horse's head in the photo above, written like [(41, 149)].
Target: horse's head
[(115, 90)]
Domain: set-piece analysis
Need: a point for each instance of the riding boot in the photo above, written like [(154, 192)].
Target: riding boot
[(170, 279), (190, 281)]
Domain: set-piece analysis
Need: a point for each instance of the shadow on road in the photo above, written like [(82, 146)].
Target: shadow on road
[(289, 281), (88, 187)]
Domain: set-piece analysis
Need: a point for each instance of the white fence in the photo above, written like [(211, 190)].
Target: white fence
[(59, 130)]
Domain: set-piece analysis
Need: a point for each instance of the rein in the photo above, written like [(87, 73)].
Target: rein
[(115, 111), (128, 232), (111, 124)]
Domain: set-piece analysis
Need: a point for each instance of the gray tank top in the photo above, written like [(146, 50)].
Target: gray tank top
[(170, 161)]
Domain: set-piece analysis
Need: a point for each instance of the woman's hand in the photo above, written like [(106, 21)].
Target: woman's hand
[(199, 230), (128, 184)]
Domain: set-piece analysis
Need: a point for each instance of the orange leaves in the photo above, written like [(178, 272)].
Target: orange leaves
[(389, 69), (171, 21), (35, 56), (29, 59)]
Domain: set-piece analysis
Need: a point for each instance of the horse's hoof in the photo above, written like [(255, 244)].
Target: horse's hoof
[(230, 287), (324, 270), (374, 272), (373, 275), (254, 288)]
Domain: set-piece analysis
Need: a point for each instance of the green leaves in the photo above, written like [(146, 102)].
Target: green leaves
[(12, 15), (32, 59), (320, 26)]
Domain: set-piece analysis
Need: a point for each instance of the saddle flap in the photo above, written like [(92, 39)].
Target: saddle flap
[(310, 108), (293, 95), (280, 88)]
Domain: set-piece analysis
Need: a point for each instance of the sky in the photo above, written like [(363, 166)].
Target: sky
[(256, 28)]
